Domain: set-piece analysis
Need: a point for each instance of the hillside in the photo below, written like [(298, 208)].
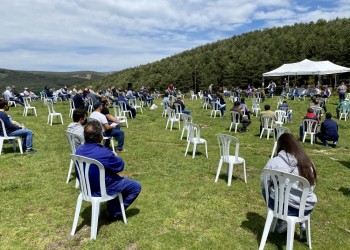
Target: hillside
[(37, 80), (242, 59)]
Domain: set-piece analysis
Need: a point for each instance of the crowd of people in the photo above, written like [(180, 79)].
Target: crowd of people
[(290, 158)]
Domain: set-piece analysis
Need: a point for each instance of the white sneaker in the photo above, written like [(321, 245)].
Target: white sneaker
[(282, 227)]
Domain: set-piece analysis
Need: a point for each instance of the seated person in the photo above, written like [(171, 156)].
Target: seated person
[(79, 121), (14, 129), (122, 98), (166, 101), (329, 131), (222, 104), (10, 97), (284, 106), (291, 158), (342, 104), (248, 91), (78, 100), (105, 111), (267, 111), (112, 130), (245, 108), (237, 106), (294, 93), (179, 101), (113, 165), (309, 115)]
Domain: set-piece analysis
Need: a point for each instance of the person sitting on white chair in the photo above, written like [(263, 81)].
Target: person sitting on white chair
[(115, 183), (291, 158), (79, 121)]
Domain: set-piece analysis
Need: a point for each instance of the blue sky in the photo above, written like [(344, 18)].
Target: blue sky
[(111, 35)]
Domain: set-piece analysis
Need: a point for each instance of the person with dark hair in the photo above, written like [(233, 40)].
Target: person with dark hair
[(112, 130), (222, 104), (309, 115), (329, 131), (267, 112), (78, 100), (113, 165), (291, 158), (237, 106), (245, 108), (14, 129), (122, 98), (79, 121), (181, 103), (11, 97)]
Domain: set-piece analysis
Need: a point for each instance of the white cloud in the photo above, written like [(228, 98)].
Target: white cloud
[(110, 35)]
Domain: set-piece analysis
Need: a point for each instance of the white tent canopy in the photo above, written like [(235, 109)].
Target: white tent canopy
[(307, 67)]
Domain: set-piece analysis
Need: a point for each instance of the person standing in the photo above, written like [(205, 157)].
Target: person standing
[(342, 91), (329, 131)]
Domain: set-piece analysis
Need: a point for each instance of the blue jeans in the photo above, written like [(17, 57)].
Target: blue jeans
[(291, 210), (16, 100), (187, 112), (116, 133), (27, 137), (130, 189)]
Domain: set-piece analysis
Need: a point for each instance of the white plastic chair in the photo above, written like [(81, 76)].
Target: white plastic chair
[(277, 132), (90, 105), (193, 95), (186, 119), (74, 141), (205, 102), (52, 114), (256, 109), (235, 120), (172, 118), (178, 110), (124, 110), (267, 122), (27, 107), (231, 159), (135, 105), (83, 165), (10, 138), (282, 183), (344, 112), (117, 113), (279, 117), (104, 138), (310, 128), (194, 137), (71, 106), (10, 103), (215, 109)]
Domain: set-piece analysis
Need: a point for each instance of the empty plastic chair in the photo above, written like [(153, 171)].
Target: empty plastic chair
[(224, 142), (194, 137)]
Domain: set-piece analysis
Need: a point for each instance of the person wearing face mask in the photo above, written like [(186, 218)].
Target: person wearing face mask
[(14, 130), (79, 121)]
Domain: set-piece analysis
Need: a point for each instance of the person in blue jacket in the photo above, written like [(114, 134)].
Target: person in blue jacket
[(13, 129), (329, 131), (113, 165)]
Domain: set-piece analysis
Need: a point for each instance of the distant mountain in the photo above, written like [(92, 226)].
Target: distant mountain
[(37, 80)]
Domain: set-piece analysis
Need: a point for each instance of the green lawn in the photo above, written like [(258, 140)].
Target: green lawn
[(180, 206)]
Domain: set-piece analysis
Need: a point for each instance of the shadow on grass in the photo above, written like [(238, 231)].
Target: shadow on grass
[(105, 218), (345, 163), (255, 223), (345, 190)]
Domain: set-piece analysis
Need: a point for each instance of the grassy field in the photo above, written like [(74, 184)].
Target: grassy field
[(180, 206)]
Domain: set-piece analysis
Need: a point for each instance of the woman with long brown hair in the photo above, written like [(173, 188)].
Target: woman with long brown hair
[(291, 158)]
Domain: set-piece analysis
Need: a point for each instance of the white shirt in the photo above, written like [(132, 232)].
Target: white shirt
[(100, 117)]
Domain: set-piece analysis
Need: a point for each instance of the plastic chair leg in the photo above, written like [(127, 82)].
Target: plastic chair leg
[(244, 172), (188, 145), (290, 234), (76, 215), (70, 170), (274, 149), (266, 230), (194, 150), (94, 219), (219, 170), (206, 149), (229, 174), (122, 209)]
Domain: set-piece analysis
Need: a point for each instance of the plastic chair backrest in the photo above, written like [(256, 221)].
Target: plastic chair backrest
[(82, 165), (194, 131), (74, 141), (309, 125), (3, 128), (266, 121), (186, 119), (235, 116), (278, 131), (178, 108), (116, 109), (224, 142), (50, 108), (215, 105), (279, 115), (26, 102), (71, 103), (122, 106), (282, 183)]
